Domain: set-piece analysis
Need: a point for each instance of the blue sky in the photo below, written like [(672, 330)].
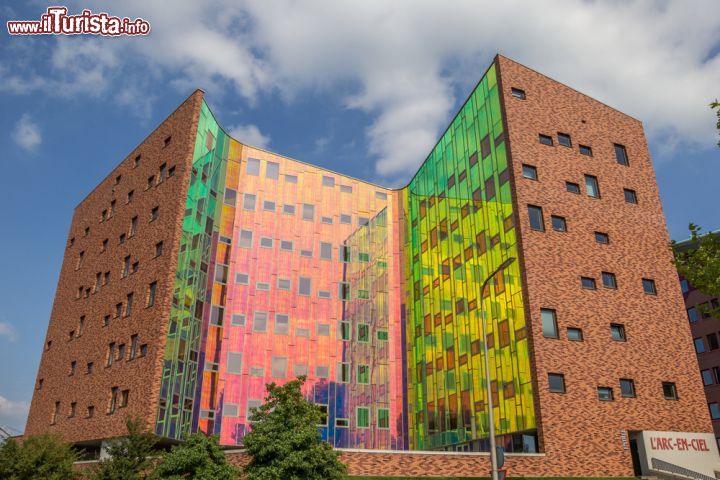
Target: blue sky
[(363, 88)]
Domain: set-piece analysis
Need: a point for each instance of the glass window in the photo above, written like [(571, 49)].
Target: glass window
[(289, 209), (324, 294), (363, 374), (344, 290), (564, 139), (549, 323), (266, 242), (322, 371), (591, 186), (517, 93), (328, 181), (230, 197), (528, 171), (279, 367), (601, 237), (344, 330), (630, 195), (608, 280), (707, 377), (363, 417), (627, 387), (323, 329), (326, 220), (585, 150), (558, 223), (345, 188), (605, 394), (712, 341), (268, 206), (291, 178), (216, 315), (343, 372), (617, 332), (237, 320), (572, 187), (574, 334), (363, 332), (325, 251), (304, 286), (272, 170), (286, 245), (264, 286), (300, 369), (282, 323), (242, 278), (302, 332), (621, 154), (699, 345), (249, 201), (556, 382), (692, 314), (669, 391), (260, 322), (344, 253), (382, 335), (684, 286), (383, 418), (346, 219), (308, 212), (245, 239), (284, 284), (230, 410), (363, 257), (546, 139), (253, 167), (588, 283), (714, 411), (234, 363), (649, 286), (536, 218), (381, 195)]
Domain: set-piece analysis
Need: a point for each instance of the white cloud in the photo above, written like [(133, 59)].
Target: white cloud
[(8, 331), (411, 60), (249, 135), (27, 133), (13, 413)]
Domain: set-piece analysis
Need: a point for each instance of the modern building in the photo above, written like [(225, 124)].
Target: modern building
[(202, 268), (705, 329)]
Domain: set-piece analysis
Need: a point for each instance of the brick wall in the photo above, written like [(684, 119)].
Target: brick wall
[(140, 376)]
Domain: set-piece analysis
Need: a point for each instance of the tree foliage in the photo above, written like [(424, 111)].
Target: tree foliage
[(198, 457), (700, 264), (38, 457), (285, 444), (128, 456), (716, 104)]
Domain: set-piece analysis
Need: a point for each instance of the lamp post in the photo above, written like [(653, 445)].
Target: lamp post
[(491, 415)]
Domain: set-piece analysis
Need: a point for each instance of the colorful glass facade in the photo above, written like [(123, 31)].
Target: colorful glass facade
[(286, 269)]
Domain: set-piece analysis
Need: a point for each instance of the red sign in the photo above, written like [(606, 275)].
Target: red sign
[(679, 444)]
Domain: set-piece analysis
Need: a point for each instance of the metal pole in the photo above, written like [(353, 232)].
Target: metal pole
[(491, 413)]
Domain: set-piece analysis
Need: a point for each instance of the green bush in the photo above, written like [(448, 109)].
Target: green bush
[(38, 457), (199, 457)]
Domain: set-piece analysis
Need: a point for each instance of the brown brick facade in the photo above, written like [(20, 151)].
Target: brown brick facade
[(141, 375), (580, 434)]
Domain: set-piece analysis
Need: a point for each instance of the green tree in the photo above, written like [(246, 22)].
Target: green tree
[(285, 444), (199, 457), (699, 262), (128, 456), (38, 457)]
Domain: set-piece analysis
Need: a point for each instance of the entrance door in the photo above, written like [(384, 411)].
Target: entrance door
[(635, 454)]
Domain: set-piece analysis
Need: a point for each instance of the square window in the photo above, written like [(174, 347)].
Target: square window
[(556, 382), (345, 219), (279, 367), (585, 150), (605, 394), (564, 139), (574, 334), (684, 286), (242, 278), (363, 417), (344, 291), (621, 154), (669, 391), (304, 286), (272, 170), (712, 340), (308, 212), (342, 423), (536, 218), (249, 201), (707, 377), (344, 330), (517, 93), (572, 187), (291, 178), (381, 195), (558, 223), (630, 195), (234, 363), (253, 167), (286, 245), (549, 323), (323, 329), (714, 411), (262, 286), (608, 280), (324, 294), (601, 237), (649, 286), (326, 220), (546, 139), (300, 369), (328, 181), (282, 324), (230, 197), (284, 284), (382, 335), (692, 314), (266, 242), (246, 237), (627, 388), (322, 371), (699, 345), (345, 188), (617, 332), (306, 253), (588, 283), (383, 418), (529, 171), (289, 209), (268, 206), (237, 320), (325, 251), (363, 332), (363, 374), (591, 186)]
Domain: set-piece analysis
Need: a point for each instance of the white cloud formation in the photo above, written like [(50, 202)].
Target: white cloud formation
[(8, 331), (13, 413), (411, 60), (26, 134), (249, 135)]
